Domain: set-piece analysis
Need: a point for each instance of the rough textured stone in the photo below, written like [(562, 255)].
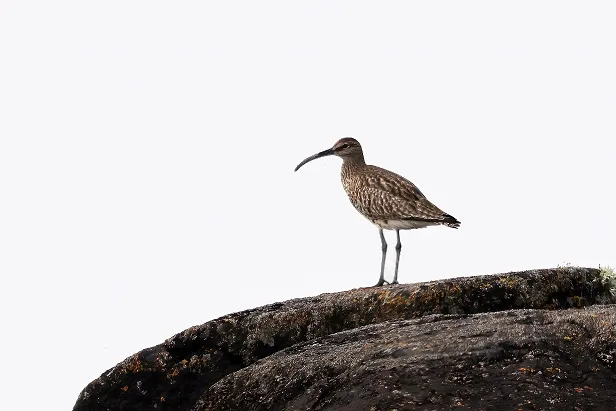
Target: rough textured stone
[(354, 350), (525, 359)]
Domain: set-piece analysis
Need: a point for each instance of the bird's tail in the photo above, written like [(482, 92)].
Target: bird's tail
[(450, 221)]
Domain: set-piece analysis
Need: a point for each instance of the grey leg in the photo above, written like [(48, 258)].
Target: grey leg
[(384, 250), (398, 249)]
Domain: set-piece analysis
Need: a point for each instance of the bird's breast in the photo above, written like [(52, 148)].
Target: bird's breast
[(347, 182)]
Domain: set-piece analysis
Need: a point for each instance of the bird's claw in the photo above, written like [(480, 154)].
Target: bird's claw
[(381, 282)]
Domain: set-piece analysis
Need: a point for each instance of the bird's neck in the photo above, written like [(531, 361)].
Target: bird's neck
[(349, 164), (354, 160)]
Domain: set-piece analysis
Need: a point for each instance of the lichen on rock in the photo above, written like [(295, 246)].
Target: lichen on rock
[(410, 346)]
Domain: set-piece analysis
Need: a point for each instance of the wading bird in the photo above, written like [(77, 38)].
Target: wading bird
[(388, 200)]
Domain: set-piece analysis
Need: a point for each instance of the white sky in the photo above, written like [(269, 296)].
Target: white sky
[(147, 152)]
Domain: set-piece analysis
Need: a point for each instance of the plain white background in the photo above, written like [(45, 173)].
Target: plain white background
[(147, 152)]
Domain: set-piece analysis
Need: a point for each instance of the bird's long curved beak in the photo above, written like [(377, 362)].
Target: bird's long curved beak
[(327, 152)]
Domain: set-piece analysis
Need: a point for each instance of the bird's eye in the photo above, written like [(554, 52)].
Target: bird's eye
[(344, 146)]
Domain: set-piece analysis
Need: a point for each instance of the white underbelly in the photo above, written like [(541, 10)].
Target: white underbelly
[(402, 224)]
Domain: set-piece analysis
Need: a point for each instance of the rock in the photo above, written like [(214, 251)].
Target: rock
[(490, 342), (526, 359)]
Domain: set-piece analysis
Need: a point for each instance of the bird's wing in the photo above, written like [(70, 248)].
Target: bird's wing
[(378, 204), (389, 181), (382, 194)]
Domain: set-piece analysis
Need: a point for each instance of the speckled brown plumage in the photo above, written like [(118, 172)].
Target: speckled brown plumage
[(380, 195), (388, 200)]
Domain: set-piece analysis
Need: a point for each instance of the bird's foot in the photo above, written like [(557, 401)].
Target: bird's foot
[(381, 282), (394, 282)]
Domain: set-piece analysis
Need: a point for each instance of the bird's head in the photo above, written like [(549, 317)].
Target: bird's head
[(346, 148)]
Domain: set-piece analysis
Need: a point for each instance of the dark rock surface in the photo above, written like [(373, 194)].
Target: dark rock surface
[(533, 359), (508, 341)]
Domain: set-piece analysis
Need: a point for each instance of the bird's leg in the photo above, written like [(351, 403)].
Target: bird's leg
[(398, 249), (384, 250)]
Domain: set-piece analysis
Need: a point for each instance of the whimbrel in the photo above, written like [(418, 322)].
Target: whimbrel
[(388, 200)]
